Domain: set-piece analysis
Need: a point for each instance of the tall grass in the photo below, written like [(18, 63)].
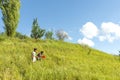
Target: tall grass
[(64, 61)]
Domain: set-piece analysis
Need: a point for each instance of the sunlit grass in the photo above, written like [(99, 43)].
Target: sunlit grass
[(64, 61)]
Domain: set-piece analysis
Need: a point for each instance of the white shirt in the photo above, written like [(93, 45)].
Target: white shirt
[(33, 56)]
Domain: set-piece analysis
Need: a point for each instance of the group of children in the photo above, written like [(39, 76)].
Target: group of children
[(37, 56)]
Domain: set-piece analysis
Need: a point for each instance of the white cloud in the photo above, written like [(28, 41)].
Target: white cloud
[(89, 30), (86, 42), (102, 38), (110, 32), (107, 37), (70, 38)]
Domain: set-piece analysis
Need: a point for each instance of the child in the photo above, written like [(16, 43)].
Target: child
[(34, 55), (40, 55)]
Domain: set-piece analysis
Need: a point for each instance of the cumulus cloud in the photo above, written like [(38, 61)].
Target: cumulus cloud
[(110, 32), (86, 41), (107, 37), (89, 30)]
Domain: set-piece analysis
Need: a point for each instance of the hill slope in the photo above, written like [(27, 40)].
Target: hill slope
[(64, 61)]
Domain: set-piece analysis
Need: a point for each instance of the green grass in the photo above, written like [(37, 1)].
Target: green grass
[(64, 61)]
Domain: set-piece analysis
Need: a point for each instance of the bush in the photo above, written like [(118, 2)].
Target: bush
[(21, 36)]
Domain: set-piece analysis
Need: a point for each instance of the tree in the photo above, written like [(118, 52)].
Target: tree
[(36, 31), (49, 35), (10, 11), (61, 35), (0, 3)]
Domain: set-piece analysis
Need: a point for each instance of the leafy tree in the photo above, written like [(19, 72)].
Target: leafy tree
[(36, 31), (49, 35), (61, 35), (10, 11), (0, 3)]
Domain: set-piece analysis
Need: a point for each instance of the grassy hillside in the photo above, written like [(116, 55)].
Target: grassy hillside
[(64, 61)]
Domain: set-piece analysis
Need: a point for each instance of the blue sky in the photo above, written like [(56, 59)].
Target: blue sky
[(92, 22)]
